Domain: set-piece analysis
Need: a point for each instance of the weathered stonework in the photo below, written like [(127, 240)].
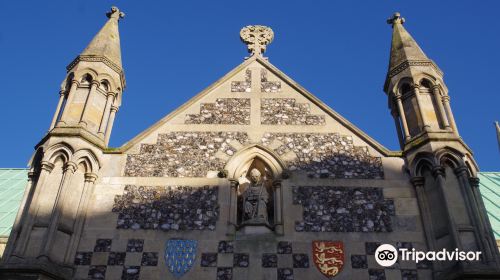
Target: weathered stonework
[(243, 86), (183, 154), (343, 209), (327, 155), (268, 86), (167, 208), (223, 111), (279, 111)]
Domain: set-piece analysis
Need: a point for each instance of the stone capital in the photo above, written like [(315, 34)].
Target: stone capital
[(47, 165), (438, 171), (70, 166), (474, 182), (32, 175), (90, 177), (277, 183), (418, 182), (233, 183)]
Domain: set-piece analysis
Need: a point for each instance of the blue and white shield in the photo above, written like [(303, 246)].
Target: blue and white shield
[(180, 255)]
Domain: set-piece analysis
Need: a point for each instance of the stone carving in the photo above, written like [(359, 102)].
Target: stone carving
[(256, 37), (167, 208), (223, 111), (255, 198), (183, 154), (326, 155), (243, 86), (268, 86), (279, 111), (343, 209)]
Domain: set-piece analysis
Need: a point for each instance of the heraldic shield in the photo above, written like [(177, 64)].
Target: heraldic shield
[(180, 255), (328, 256)]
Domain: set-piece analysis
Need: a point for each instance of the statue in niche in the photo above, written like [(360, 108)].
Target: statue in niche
[(255, 205)]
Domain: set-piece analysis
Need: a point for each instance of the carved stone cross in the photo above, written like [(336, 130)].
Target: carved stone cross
[(396, 18), (115, 13), (256, 37)]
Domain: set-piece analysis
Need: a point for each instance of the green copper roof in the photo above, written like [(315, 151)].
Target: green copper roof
[(12, 184), (489, 185)]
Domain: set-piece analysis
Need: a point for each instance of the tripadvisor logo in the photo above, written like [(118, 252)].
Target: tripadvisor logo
[(387, 255)]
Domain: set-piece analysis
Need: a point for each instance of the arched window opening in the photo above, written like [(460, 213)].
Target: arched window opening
[(86, 79)]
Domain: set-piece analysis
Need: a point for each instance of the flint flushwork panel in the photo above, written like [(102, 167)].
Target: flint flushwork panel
[(183, 154), (326, 155), (288, 111), (343, 209), (268, 86), (243, 86), (223, 111), (167, 208)]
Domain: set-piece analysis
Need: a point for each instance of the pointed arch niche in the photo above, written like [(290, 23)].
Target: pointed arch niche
[(272, 170)]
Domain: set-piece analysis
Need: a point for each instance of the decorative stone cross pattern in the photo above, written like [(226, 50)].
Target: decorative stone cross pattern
[(115, 13), (256, 37), (396, 18)]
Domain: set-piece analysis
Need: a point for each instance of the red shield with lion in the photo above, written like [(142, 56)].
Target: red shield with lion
[(328, 256)]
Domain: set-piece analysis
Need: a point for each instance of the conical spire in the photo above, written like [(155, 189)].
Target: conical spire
[(107, 42), (403, 46)]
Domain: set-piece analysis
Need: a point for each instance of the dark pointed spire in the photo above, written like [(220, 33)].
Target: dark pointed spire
[(107, 41), (403, 46)]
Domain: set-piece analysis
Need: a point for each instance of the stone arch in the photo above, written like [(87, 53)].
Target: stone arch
[(450, 156), (60, 150), (421, 160), (88, 158), (242, 160)]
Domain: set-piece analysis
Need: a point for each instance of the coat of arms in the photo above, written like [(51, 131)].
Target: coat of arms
[(328, 256), (180, 255)]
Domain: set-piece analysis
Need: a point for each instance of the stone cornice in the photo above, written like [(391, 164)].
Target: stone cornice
[(74, 131), (103, 59), (406, 64)]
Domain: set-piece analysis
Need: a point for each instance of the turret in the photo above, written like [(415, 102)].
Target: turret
[(440, 165), (66, 164), (92, 89)]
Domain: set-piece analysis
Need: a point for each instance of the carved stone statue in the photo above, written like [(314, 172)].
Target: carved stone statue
[(254, 199)]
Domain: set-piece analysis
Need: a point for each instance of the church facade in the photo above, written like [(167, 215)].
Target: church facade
[(253, 178)]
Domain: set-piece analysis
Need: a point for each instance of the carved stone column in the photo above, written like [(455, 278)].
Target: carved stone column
[(439, 101), (398, 127), (401, 112), (49, 238), (105, 117), (58, 109), (69, 100), (451, 119), (439, 175), (278, 210), (81, 215), (111, 120), (425, 122), (233, 207), (88, 103), (471, 205), (425, 213), (22, 242)]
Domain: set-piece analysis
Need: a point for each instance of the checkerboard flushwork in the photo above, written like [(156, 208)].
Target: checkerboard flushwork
[(102, 257)]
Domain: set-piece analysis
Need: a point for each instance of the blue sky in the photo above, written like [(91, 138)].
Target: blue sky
[(172, 50)]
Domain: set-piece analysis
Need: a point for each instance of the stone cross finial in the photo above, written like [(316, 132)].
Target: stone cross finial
[(396, 18), (256, 37), (115, 13)]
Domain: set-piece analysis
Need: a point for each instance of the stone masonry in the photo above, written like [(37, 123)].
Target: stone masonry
[(326, 155), (223, 111), (279, 111), (183, 154)]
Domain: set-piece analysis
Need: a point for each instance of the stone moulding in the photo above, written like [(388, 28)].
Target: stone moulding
[(103, 59)]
